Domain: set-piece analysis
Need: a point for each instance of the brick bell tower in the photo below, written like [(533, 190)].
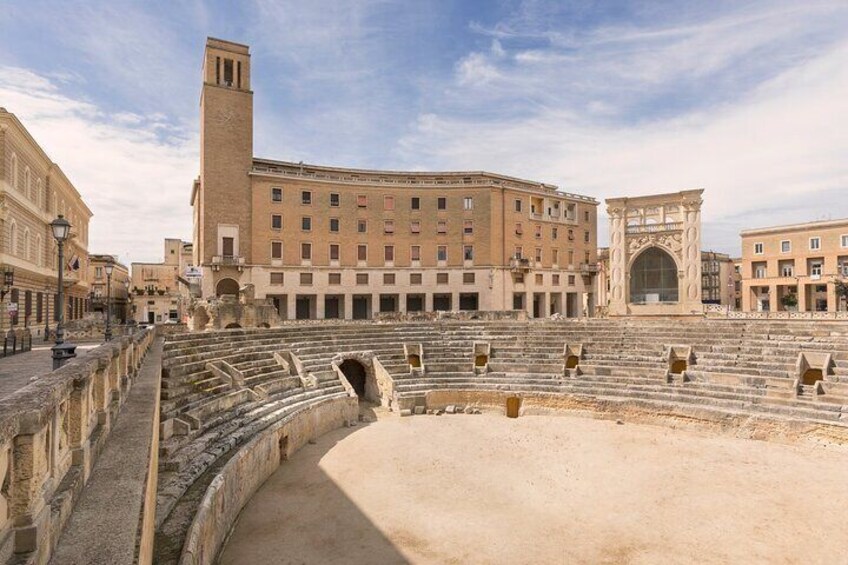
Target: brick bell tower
[(221, 199)]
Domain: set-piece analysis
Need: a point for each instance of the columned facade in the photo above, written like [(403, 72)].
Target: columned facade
[(655, 254)]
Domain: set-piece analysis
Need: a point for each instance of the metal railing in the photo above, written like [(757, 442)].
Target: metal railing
[(655, 228)]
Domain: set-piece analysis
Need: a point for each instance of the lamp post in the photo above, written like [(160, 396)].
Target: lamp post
[(61, 351), (109, 267)]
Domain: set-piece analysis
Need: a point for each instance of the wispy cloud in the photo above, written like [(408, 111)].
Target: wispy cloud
[(134, 171)]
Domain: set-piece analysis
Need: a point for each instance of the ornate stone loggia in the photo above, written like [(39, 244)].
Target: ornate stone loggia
[(665, 231)]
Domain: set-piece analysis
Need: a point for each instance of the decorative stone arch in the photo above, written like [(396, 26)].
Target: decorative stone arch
[(366, 386), (227, 286), (663, 253), (14, 172)]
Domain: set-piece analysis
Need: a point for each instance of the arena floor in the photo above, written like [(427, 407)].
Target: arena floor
[(545, 489)]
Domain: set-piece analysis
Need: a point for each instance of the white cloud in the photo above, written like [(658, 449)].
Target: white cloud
[(133, 171)]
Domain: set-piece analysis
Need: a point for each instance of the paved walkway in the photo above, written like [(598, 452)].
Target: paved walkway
[(17, 370)]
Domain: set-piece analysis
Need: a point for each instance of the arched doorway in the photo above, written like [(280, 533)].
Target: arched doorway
[(232, 326), (356, 374), (654, 278), (227, 286)]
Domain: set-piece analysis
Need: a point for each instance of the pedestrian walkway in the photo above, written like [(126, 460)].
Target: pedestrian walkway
[(17, 370)]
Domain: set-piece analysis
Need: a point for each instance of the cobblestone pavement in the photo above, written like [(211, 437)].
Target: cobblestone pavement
[(17, 370)]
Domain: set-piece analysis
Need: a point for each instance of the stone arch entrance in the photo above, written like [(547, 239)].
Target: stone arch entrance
[(227, 286), (654, 278), (356, 375)]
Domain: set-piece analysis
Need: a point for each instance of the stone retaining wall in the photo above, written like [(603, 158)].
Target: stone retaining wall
[(242, 475), (51, 432)]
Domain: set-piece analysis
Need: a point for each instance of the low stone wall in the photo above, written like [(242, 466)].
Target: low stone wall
[(485, 315), (781, 315), (242, 475), (51, 432), (743, 425)]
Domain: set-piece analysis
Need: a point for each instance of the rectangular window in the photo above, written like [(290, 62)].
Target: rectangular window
[(538, 230), (277, 278), (442, 203), (335, 200), (334, 278), (228, 246), (306, 279), (334, 225), (586, 215), (468, 227), (538, 254), (586, 237), (785, 246), (388, 226), (306, 223), (415, 278), (415, 253), (441, 278), (467, 278), (388, 278), (306, 197), (468, 203), (361, 278), (362, 253), (442, 253), (389, 203), (518, 205), (415, 226), (758, 249), (540, 279), (570, 235), (554, 233), (362, 226), (816, 269), (98, 272), (276, 250), (389, 253), (787, 271), (306, 251), (334, 252), (468, 252), (815, 243), (518, 229), (555, 256), (442, 226), (276, 222), (518, 253), (843, 241), (277, 194), (415, 203), (555, 279), (570, 280), (570, 257), (361, 201)]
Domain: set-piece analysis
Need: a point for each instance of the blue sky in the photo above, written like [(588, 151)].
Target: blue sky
[(748, 100)]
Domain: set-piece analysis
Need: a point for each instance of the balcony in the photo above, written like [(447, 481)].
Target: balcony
[(655, 228), (219, 261), (519, 264), (589, 268)]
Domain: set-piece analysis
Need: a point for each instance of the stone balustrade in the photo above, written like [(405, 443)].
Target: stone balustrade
[(51, 432)]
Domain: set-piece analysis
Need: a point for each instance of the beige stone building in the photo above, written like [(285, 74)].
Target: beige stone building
[(717, 276), (330, 242), (120, 283), (160, 291), (655, 254), (33, 192), (794, 267)]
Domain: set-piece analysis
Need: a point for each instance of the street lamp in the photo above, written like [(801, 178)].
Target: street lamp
[(61, 351), (109, 267)]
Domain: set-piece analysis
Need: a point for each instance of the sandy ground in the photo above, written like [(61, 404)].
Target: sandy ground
[(539, 489)]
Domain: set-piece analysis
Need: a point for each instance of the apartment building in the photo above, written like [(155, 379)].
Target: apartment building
[(795, 267), (34, 191), (160, 291), (717, 276), (332, 242), (103, 293)]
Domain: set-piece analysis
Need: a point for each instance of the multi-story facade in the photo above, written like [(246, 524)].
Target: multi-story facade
[(717, 276), (100, 287), (33, 192), (159, 291), (795, 267), (329, 242)]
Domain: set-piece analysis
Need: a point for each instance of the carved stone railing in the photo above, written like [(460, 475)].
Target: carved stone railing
[(655, 228), (51, 432)]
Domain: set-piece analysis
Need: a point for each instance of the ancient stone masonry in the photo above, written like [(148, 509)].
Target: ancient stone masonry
[(51, 433), (303, 379)]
